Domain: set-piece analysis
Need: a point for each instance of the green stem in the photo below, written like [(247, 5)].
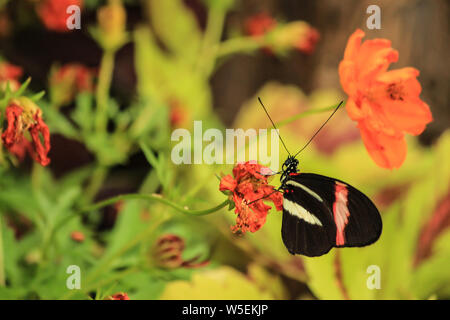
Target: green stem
[(95, 183), (305, 114), (102, 92), (211, 40), (238, 45), (2, 259), (157, 198), (106, 263)]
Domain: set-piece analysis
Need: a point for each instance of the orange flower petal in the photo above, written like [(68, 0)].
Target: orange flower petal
[(375, 57), (353, 45), (400, 102), (358, 110), (347, 76), (388, 151), (405, 79), (411, 115), (227, 183)]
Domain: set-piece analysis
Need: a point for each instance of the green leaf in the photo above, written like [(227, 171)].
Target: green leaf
[(174, 23), (58, 123), (82, 114)]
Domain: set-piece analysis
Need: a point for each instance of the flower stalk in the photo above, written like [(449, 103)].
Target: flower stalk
[(157, 198)]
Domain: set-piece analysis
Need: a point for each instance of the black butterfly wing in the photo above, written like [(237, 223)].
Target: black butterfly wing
[(347, 217), (307, 226)]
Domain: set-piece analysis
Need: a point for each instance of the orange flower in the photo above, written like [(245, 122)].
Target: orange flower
[(11, 73), (248, 187), (23, 115), (53, 13), (386, 104)]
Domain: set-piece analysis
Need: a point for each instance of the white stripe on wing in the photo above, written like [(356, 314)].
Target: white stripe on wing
[(300, 212)]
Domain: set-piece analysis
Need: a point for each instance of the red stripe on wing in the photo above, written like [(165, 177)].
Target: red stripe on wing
[(340, 212)]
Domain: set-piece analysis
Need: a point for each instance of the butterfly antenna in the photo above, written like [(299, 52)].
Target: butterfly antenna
[(265, 110), (323, 125)]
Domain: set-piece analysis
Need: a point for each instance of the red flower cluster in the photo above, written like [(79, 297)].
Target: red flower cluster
[(168, 253), (69, 80), (119, 296), (386, 104), (22, 117), (11, 73), (249, 189), (53, 13)]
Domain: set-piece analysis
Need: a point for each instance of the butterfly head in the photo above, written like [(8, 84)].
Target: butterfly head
[(289, 167)]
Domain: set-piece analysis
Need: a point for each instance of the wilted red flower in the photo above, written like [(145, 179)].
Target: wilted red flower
[(385, 104), (259, 24), (23, 115), (20, 148), (119, 296), (11, 73), (77, 236), (53, 13), (168, 253), (69, 80), (249, 189)]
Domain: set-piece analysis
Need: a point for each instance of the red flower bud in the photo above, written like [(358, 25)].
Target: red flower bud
[(168, 252), (119, 296), (259, 24), (77, 236)]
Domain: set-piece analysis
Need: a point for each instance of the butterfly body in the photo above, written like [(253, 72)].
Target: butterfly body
[(320, 213)]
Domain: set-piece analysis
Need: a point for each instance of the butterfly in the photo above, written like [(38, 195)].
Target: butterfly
[(321, 212)]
